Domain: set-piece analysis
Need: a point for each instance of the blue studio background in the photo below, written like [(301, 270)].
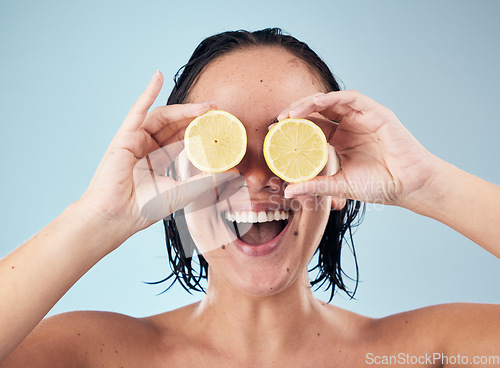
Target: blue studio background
[(69, 72)]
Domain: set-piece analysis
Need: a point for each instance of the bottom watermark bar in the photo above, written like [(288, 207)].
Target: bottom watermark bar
[(433, 358)]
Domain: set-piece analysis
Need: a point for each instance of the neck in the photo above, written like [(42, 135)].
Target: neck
[(267, 323)]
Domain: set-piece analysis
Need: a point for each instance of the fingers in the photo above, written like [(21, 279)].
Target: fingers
[(160, 196), (330, 182), (292, 108), (154, 163), (166, 119), (346, 101), (333, 105), (140, 108), (334, 185)]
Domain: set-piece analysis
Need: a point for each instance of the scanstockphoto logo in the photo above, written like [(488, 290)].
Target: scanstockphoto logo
[(402, 359)]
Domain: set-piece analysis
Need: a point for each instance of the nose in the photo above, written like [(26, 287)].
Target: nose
[(258, 176)]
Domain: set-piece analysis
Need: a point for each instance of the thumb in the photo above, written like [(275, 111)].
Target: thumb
[(167, 195), (334, 185)]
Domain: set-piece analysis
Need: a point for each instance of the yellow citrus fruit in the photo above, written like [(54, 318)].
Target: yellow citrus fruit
[(296, 150), (215, 141)]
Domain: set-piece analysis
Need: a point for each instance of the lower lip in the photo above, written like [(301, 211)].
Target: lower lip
[(264, 248)]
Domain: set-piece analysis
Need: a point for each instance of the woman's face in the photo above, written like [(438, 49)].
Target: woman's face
[(255, 85)]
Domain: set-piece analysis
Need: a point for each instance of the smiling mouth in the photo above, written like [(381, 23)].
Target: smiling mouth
[(256, 228)]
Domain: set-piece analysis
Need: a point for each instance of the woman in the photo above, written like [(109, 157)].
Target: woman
[(259, 309)]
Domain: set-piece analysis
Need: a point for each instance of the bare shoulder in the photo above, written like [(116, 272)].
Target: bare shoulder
[(456, 329), (82, 339), (447, 320), (471, 326)]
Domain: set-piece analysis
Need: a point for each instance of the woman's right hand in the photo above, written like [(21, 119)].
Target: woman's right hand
[(102, 219), (126, 189)]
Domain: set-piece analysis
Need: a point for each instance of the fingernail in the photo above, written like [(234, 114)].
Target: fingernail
[(291, 113), (203, 107), (210, 105), (155, 76)]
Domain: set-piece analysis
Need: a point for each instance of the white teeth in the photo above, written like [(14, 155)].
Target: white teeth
[(252, 217), (262, 217), (257, 217), (243, 217)]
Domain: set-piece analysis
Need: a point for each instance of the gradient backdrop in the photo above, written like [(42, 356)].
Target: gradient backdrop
[(69, 72)]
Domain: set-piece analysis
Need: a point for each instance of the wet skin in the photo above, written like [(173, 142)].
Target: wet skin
[(258, 310)]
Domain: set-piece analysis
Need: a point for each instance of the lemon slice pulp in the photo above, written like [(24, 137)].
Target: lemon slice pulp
[(215, 141), (295, 150)]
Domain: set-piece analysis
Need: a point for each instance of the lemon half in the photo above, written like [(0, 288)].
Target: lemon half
[(215, 141), (295, 150)]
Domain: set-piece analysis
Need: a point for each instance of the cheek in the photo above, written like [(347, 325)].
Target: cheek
[(314, 217), (203, 224), (184, 168), (315, 207), (207, 229)]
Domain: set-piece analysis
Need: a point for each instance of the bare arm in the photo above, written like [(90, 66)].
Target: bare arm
[(37, 274), (383, 163), (84, 339), (469, 331), (124, 197), (445, 335), (464, 202)]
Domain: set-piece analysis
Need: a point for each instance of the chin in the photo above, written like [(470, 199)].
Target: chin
[(259, 247), (259, 282)]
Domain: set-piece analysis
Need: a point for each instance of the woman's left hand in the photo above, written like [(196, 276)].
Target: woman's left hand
[(381, 162)]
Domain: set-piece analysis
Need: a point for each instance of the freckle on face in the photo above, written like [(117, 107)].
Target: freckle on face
[(237, 87)]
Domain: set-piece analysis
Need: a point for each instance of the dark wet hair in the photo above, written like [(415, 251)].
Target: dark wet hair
[(339, 228)]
